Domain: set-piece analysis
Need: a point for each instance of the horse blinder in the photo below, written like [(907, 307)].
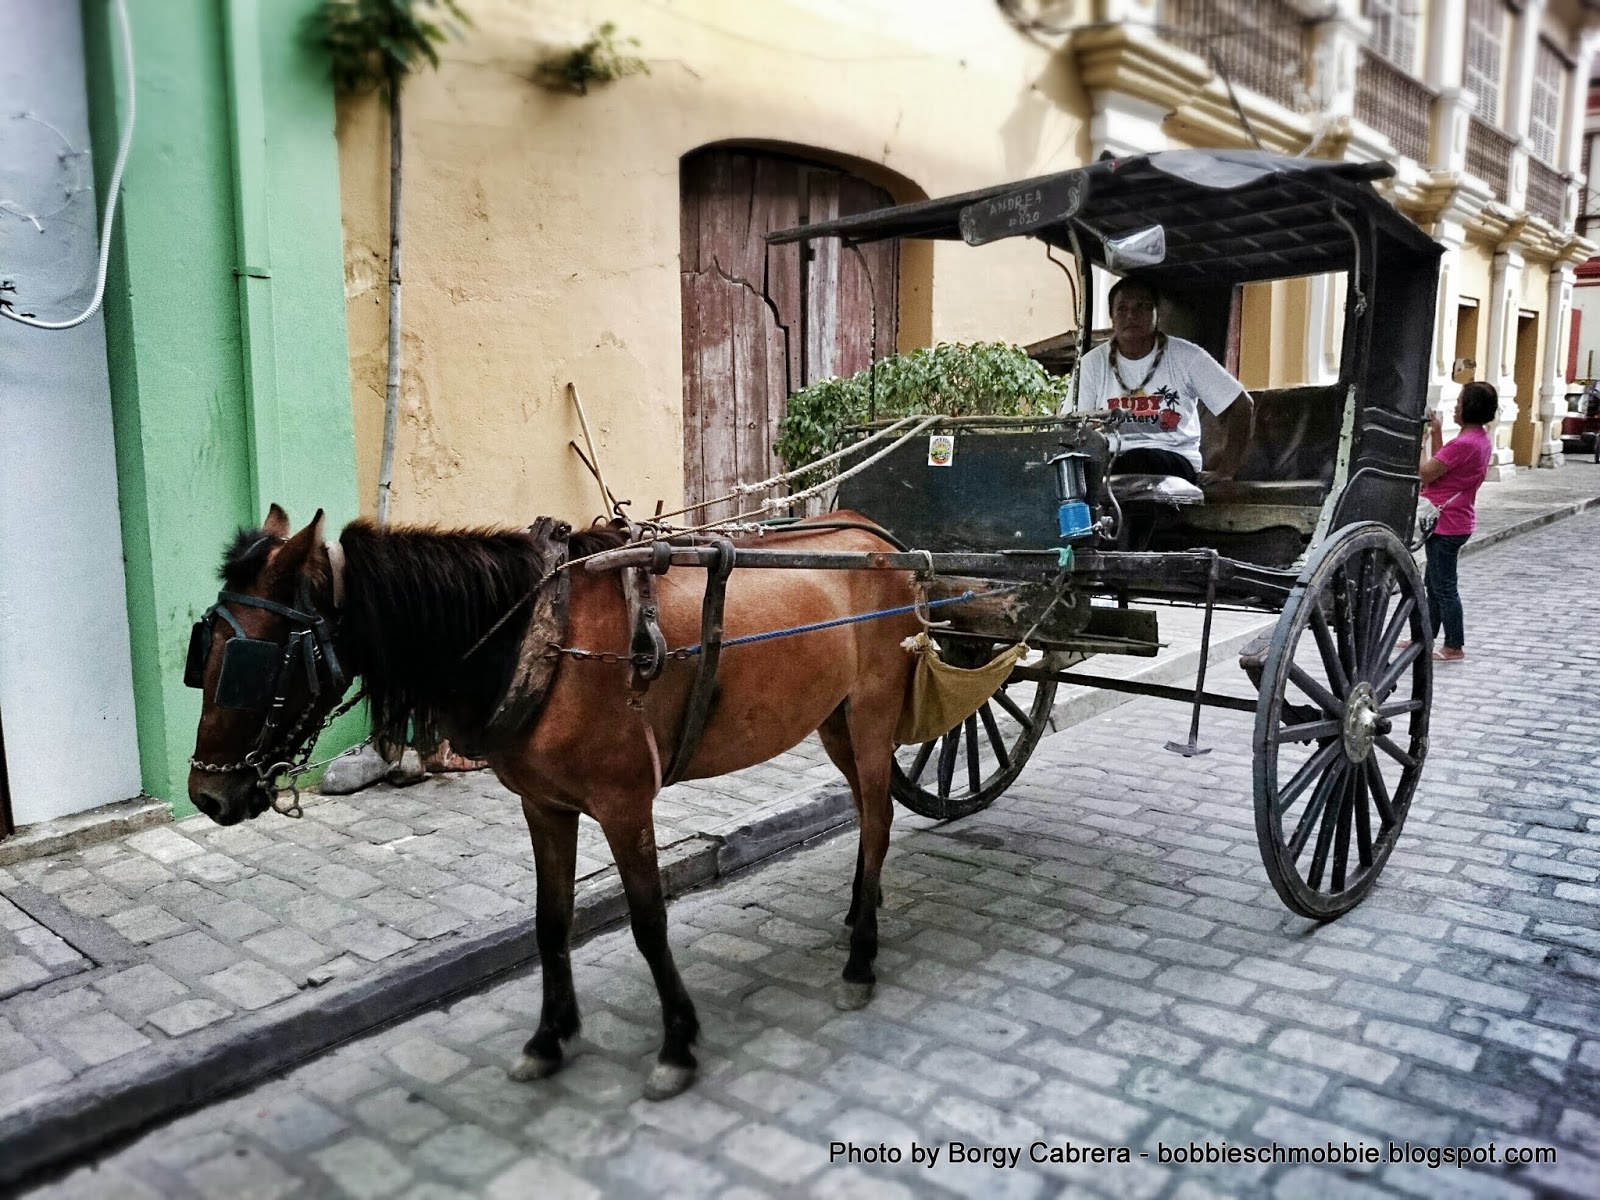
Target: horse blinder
[(253, 668)]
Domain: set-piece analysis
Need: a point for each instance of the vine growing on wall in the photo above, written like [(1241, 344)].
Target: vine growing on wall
[(372, 45), (601, 59), (957, 380)]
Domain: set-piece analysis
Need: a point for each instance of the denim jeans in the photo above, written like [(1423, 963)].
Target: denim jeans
[(1444, 597)]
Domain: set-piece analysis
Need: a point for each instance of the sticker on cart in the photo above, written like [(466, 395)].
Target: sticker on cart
[(941, 450)]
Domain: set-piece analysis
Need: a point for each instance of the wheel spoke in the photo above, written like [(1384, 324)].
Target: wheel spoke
[(1330, 654), (1311, 731), (1332, 815), (1385, 683), (1313, 767), (992, 729), (1363, 820), (1394, 752), (1319, 694), (1344, 611), (947, 761), (1400, 707), (1017, 715), (1391, 634), (924, 753), (1341, 836), (974, 780), (1380, 792), (1376, 592), (1314, 810)]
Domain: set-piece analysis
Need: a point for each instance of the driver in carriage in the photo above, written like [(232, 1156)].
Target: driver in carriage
[(1161, 381)]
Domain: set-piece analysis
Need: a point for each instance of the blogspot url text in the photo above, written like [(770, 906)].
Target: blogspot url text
[(1193, 1154)]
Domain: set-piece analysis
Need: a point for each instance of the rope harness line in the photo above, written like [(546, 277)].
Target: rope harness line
[(687, 652)]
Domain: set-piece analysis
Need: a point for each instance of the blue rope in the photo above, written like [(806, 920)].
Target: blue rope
[(691, 651)]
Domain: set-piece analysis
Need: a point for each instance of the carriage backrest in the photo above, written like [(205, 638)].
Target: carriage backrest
[(1296, 434)]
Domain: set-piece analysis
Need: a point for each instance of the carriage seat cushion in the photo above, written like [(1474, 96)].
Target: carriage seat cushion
[(1308, 492), (1154, 489)]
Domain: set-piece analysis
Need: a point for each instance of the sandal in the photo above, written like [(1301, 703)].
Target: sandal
[(1449, 654)]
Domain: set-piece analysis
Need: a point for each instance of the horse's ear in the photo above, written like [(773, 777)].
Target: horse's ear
[(276, 523), (303, 546)]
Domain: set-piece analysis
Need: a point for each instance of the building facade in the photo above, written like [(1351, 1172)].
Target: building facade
[(214, 381)]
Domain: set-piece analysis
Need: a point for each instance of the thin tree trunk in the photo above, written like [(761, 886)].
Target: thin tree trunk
[(391, 390)]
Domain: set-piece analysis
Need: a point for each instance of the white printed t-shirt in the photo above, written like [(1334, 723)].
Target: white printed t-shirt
[(1166, 414)]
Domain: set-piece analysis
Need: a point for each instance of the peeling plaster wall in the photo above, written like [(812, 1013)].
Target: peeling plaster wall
[(66, 684), (541, 230)]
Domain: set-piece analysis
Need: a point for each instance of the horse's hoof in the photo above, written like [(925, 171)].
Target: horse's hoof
[(666, 1081), (530, 1067), (851, 996)]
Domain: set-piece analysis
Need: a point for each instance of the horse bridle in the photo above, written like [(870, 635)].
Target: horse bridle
[(256, 676)]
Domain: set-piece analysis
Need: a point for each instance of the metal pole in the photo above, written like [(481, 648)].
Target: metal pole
[(1192, 747)]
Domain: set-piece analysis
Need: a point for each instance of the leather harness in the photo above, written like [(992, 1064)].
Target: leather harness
[(542, 644)]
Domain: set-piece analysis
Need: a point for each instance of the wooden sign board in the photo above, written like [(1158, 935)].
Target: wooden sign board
[(1023, 209)]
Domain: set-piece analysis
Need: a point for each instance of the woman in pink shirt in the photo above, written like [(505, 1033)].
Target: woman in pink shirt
[(1451, 476)]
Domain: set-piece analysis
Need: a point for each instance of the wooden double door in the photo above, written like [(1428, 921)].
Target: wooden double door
[(760, 322)]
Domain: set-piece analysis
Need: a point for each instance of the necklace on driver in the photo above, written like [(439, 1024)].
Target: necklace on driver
[(1155, 363)]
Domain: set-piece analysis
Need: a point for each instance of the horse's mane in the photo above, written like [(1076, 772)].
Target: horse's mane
[(417, 600)]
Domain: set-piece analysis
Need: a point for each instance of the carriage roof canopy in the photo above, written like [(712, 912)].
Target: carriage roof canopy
[(1231, 216)]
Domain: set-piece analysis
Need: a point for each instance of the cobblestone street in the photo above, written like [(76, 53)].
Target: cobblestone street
[(1097, 960)]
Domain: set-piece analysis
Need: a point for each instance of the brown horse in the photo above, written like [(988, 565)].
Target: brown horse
[(406, 609)]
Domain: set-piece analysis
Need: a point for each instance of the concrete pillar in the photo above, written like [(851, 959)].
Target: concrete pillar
[(1578, 102), (1521, 63), (1125, 125), (1552, 401), (1336, 42), (1447, 148), (1505, 286), (1445, 39), (1324, 328), (1450, 232)]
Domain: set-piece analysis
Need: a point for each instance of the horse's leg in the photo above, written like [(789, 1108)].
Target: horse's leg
[(555, 857), (835, 736), (871, 735), (633, 846)]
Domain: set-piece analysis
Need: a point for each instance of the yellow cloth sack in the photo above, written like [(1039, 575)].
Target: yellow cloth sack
[(943, 696)]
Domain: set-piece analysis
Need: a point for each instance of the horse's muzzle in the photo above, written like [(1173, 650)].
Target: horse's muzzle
[(228, 799)]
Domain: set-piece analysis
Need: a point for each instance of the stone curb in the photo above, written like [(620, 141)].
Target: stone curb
[(103, 824), (1528, 524), (117, 1099)]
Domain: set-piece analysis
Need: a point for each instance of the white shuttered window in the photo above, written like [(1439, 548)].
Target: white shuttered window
[(1486, 36), (1544, 113), (1394, 31)]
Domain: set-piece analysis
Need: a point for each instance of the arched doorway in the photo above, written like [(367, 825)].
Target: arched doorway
[(760, 322)]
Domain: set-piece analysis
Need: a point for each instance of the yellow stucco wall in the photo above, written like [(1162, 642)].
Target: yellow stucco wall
[(541, 229)]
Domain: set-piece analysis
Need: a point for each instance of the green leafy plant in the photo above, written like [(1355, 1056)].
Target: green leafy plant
[(601, 59), (957, 380), (373, 44)]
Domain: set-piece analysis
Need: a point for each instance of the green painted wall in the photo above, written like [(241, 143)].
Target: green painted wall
[(225, 318)]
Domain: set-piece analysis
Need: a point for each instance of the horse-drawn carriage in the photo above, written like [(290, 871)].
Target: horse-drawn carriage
[(1314, 526), (1021, 538)]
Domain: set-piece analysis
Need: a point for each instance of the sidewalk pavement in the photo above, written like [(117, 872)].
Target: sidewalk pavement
[(152, 972)]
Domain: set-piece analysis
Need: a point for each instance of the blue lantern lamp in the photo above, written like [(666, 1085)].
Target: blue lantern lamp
[(1073, 517)]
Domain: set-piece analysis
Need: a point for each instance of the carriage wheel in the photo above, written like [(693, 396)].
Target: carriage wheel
[(1342, 727), (963, 771)]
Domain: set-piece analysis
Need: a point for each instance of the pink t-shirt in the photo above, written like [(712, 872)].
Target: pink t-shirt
[(1466, 457)]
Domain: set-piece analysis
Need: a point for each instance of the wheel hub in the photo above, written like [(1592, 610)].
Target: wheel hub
[(1362, 725)]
